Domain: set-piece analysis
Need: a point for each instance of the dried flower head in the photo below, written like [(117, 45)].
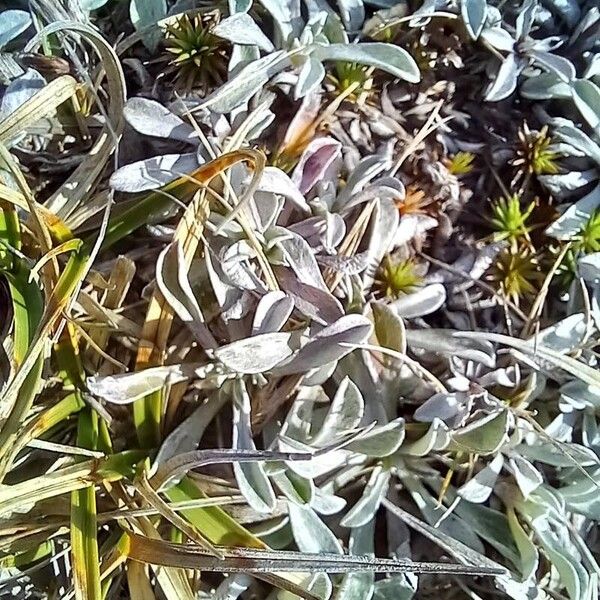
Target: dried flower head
[(396, 278), (535, 154), (200, 57), (415, 201)]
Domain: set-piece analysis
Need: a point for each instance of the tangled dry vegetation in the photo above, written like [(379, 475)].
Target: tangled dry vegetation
[(300, 299)]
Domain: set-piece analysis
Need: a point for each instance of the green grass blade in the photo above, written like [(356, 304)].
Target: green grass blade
[(84, 526)]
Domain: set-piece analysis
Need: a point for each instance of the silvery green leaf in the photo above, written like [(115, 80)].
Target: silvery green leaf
[(286, 16), (474, 14), (313, 30), (247, 82), (569, 10), (585, 25), (393, 59), (345, 413), (505, 82), (144, 14), (239, 6), (568, 132), (565, 335), (152, 118), (89, 5), (275, 181), (575, 217), (528, 478), (559, 454), (545, 86), (384, 221), (265, 209), (319, 464), (20, 90), (296, 488), (328, 345), (12, 24), (187, 435), (226, 295), (528, 552), (241, 29), (240, 57), (479, 488), (422, 15), (586, 96), (325, 503), (310, 77), (420, 303), (568, 564), (397, 587), (364, 510), (352, 13), (437, 437), (126, 388), (172, 281), (499, 38), (446, 342), (581, 496), (485, 435), (526, 18), (490, 525), (359, 585), (389, 327), (232, 587), (314, 302), (234, 262), (593, 68), (258, 353), (433, 512), (561, 67), (366, 170), (444, 406), (578, 393), (300, 257), (345, 265), (152, 173), (314, 162), (251, 477), (564, 185), (454, 547), (272, 312), (381, 441), (589, 267), (310, 533), (412, 226)]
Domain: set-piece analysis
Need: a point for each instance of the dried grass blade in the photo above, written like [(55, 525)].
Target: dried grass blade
[(40, 105), (572, 366), (68, 479), (61, 296), (180, 464), (153, 499), (78, 185), (247, 560)]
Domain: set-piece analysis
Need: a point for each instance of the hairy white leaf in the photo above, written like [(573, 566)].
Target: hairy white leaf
[(240, 28), (390, 58), (258, 353)]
